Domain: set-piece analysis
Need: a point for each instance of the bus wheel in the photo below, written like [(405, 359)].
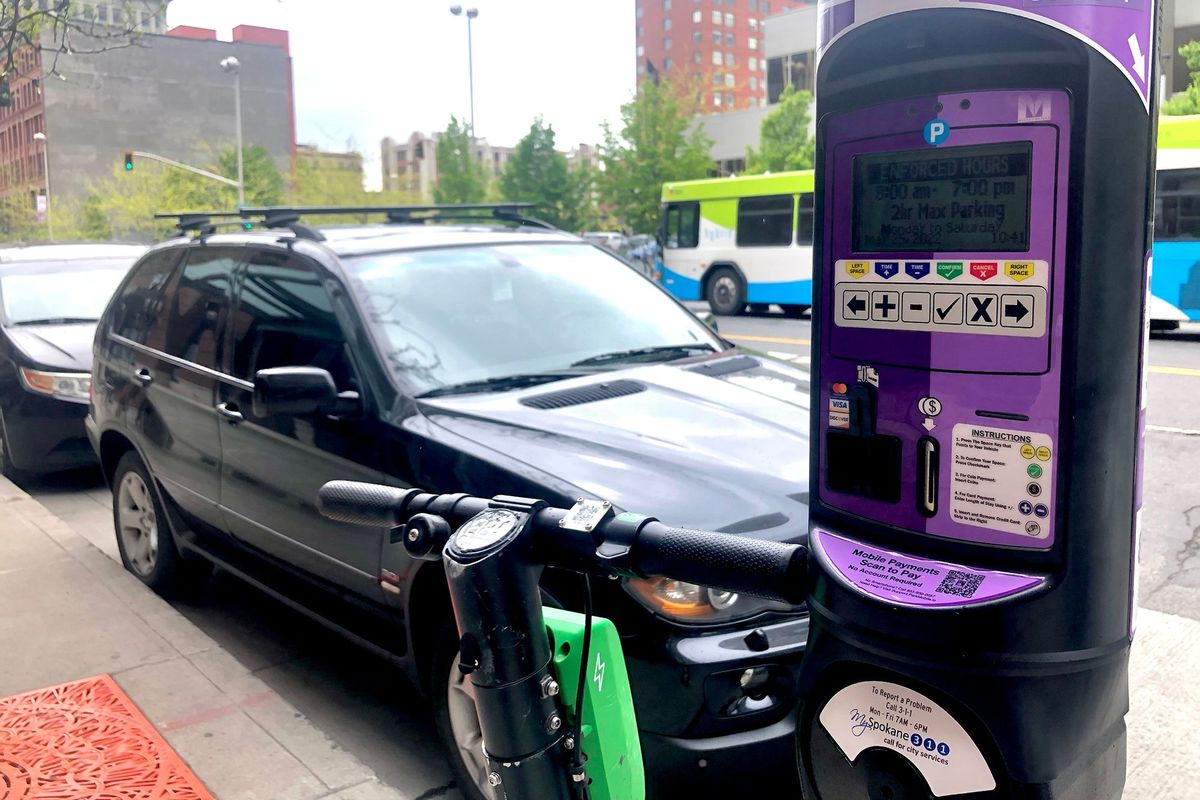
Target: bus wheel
[(726, 294), (794, 312)]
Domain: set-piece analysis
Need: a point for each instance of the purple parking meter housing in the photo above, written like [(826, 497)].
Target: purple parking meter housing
[(978, 339)]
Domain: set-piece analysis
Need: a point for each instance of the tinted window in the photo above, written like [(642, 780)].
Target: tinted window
[(764, 221), (285, 318), (683, 224), (199, 304), (804, 220), (140, 310), (1177, 205)]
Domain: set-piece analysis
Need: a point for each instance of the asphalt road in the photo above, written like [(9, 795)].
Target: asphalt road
[(369, 708)]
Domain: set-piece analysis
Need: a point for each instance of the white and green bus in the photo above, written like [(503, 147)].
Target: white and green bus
[(740, 241)]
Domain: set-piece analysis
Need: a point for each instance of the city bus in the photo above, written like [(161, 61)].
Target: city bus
[(740, 241), (1175, 277)]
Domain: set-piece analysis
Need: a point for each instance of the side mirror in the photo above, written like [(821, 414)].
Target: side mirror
[(296, 391)]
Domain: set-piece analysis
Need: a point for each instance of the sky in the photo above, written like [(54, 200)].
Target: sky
[(365, 69)]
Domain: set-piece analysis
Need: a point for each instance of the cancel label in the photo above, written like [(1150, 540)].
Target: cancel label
[(1001, 480)]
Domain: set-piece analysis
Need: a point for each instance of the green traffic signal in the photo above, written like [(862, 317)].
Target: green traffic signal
[(128, 162)]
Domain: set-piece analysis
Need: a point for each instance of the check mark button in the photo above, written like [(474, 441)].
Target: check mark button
[(948, 308)]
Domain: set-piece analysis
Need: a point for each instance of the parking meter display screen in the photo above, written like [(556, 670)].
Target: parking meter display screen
[(955, 199)]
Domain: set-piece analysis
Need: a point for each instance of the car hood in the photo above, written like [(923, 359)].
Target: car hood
[(57, 347), (720, 445)]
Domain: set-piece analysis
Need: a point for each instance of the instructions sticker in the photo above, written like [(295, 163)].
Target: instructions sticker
[(1001, 480), (884, 714)]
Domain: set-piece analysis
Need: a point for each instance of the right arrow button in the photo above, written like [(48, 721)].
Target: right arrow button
[(1017, 311)]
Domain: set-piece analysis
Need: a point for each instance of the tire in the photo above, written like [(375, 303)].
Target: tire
[(794, 312), (725, 292), (144, 536), (454, 716)]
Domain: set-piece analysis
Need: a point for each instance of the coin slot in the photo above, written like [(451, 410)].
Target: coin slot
[(927, 476)]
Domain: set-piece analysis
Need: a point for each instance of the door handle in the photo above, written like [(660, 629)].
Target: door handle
[(230, 412), (143, 376)]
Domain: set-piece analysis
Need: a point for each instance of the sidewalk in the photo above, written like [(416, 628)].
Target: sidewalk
[(71, 612)]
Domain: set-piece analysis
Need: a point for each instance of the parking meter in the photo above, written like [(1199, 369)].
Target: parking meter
[(983, 196)]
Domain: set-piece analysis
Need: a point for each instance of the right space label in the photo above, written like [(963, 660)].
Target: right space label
[(1001, 480)]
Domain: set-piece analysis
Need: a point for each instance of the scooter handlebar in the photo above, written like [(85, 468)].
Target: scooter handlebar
[(369, 504)]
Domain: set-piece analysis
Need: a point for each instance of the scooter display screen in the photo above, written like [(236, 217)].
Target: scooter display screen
[(958, 199)]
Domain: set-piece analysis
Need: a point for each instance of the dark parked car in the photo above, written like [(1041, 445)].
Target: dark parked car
[(50, 298), (236, 373)]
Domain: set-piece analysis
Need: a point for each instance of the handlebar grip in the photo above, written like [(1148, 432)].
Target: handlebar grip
[(771, 570), (368, 504)]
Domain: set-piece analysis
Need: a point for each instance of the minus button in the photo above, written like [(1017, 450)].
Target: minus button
[(914, 307)]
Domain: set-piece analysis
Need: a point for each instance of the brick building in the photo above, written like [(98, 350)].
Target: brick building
[(718, 43)]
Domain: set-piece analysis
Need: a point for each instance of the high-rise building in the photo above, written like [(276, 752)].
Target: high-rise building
[(716, 43)]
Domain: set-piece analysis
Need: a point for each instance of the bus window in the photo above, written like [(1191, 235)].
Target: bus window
[(1177, 205), (804, 221), (683, 225), (765, 221)]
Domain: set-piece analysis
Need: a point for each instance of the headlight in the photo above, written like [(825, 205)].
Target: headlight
[(681, 601), (73, 386)]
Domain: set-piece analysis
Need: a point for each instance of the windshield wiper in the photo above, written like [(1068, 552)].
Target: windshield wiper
[(56, 321), (501, 383), (666, 352)]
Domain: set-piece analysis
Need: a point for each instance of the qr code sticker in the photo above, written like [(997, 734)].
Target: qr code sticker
[(963, 584)]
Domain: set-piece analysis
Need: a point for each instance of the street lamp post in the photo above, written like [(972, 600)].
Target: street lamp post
[(472, 13), (232, 65), (41, 137)]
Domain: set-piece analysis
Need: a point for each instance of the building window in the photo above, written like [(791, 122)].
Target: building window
[(667, 43), (718, 78), (716, 57), (696, 37), (765, 221), (753, 22), (666, 64), (716, 37), (716, 17), (729, 99), (666, 5), (754, 5), (754, 83), (667, 24), (753, 64), (696, 56), (716, 98), (729, 40), (764, 7), (641, 31), (640, 11), (696, 17), (729, 20), (730, 59), (752, 43), (641, 51), (729, 79)]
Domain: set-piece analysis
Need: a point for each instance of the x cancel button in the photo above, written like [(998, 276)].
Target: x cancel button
[(981, 309)]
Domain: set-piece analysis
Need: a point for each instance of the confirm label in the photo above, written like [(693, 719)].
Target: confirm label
[(999, 479)]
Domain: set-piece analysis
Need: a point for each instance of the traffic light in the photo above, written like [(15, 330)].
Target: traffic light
[(128, 161)]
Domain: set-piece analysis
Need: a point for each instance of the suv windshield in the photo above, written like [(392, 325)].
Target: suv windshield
[(64, 293), (468, 314)]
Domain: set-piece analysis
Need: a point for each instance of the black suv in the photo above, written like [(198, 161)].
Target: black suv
[(235, 373)]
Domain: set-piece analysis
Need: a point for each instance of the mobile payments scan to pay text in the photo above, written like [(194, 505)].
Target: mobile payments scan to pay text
[(977, 408)]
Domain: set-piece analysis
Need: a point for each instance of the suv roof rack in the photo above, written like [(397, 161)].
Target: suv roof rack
[(202, 222)]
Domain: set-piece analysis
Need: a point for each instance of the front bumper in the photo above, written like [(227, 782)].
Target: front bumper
[(700, 729), (44, 434)]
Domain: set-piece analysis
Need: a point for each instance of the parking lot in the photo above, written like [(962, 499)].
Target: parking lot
[(370, 709)]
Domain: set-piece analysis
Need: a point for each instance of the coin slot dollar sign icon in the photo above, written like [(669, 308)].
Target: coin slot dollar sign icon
[(929, 406)]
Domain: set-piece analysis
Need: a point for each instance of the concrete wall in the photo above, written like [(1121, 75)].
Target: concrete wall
[(168, 96), (792, 31)]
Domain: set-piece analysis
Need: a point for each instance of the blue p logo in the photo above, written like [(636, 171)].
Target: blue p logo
[(936, 131)]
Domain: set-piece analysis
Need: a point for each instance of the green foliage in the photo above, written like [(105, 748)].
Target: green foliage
[(783, 140), (461, 178), (1187, 101), (657, 143), (537, 173)]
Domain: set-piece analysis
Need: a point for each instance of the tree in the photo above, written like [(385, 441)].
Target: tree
[(50, 30), (1187, 101), (783, 140), (658, 142), (461, 178), (539, 174)]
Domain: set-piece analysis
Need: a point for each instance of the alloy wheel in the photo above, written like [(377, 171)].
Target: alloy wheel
[(137, 524)]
